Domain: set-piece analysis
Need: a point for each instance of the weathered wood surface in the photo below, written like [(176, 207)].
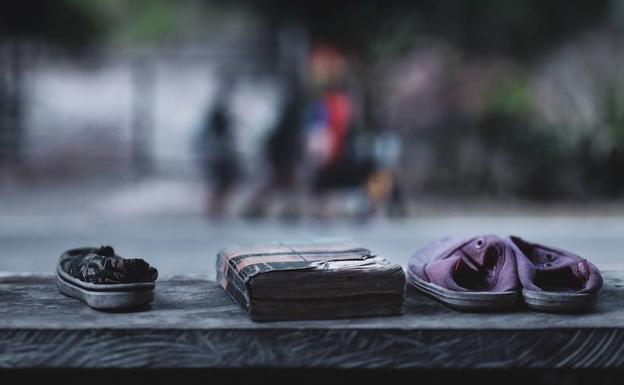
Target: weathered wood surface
[(192, 323)]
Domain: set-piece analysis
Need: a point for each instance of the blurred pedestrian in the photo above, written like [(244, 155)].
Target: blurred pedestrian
[(217, 150), (283, 154)]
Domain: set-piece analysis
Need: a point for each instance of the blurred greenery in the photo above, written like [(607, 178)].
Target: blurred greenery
[(67, 23), (77, 24), (139, 20), (520, 29), (511, 97), (614, 113)]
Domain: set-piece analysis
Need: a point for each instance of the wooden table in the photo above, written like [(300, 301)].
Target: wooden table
[(192, 323)]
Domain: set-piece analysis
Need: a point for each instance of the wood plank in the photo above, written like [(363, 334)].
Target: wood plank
[(192, 323)]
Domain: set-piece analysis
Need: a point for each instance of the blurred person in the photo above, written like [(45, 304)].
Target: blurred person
[(334, 157), (329, 120), (217, 150), (383, 184), (344, 164), (283, 154)]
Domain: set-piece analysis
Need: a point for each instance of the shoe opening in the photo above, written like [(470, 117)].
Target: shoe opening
[(472, 276), (562, 279)]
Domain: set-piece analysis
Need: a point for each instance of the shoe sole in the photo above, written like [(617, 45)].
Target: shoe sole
[(106, 297), (554, 302), (470, 301)]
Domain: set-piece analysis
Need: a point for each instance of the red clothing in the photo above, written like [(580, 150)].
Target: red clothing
[(339, 116)]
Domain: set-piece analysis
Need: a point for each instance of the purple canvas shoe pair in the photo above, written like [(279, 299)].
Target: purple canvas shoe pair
[(492, 273)]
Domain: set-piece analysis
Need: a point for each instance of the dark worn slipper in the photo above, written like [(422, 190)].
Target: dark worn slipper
[(104, 280)]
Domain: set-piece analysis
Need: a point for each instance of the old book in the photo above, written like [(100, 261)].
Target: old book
[(313, 281)]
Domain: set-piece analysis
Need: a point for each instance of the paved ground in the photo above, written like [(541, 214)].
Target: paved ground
[(159, 220), (189, 244)]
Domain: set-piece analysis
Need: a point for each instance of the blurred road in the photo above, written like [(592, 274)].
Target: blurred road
[(160, 220), (189, 244)]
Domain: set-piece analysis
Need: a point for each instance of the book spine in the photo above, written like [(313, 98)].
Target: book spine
[(232, 283)]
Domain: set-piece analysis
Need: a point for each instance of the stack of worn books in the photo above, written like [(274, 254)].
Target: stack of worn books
[(312, 281)]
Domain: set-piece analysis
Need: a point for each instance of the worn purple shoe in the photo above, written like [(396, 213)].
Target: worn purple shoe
[(475, 274), (555, 280)]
